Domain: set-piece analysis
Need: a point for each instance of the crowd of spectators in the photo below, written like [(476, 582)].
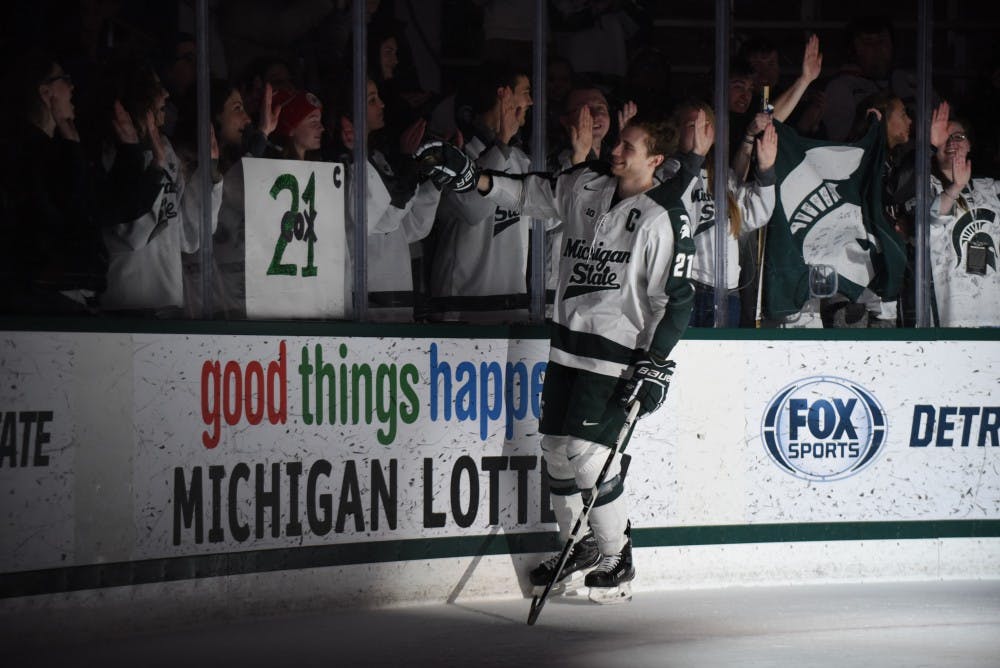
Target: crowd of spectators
[(102, 203)]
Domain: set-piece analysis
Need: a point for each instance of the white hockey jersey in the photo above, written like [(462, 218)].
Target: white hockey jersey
[(624, 270), (391, 230), (144, 269), (963, 248), (481, 258), (756, 204)]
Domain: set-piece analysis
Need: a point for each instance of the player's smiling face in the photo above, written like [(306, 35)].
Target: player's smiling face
[(630, 157)]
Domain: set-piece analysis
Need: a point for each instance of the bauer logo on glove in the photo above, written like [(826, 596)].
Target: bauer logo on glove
[(447, 166), (648, 383)]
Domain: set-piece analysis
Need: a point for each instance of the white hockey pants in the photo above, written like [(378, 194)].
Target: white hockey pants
[(572, 460)]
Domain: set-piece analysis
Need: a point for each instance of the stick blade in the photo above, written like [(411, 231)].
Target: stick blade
[(535, 610)]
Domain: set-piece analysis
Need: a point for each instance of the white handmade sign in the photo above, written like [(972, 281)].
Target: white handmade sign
[(295, 239)]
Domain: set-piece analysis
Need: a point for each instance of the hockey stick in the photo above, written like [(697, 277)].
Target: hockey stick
[(539, 601)]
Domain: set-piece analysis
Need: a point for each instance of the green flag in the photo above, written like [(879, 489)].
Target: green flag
[(829, 212)]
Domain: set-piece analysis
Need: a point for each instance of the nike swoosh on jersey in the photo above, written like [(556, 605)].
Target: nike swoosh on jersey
[(500, 227), (588, 423), (704, 226), (587, 187)]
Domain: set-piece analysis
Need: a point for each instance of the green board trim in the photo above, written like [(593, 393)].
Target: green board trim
[(101, 324), (97, 576)]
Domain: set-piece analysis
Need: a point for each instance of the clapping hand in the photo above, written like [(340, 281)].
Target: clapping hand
[(812, 60), (704, 133), (509, 123), (939, 126), (155, 139), (758, 123), (412, 136), (767, 148), (268, 116), (961, 170), (581, 134), (123, 125), (628, 112)]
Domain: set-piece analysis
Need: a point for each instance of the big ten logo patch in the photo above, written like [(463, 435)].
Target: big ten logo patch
[(823, 429)]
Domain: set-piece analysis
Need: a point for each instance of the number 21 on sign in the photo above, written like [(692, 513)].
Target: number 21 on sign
[(295, 224)]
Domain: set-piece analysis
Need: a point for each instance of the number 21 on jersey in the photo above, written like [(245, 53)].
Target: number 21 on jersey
[(682, 265), (683, 262)]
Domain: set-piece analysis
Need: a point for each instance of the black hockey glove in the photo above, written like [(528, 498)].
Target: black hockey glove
[(648, 384), (447, 166)]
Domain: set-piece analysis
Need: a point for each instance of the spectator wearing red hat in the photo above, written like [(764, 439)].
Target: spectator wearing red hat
[(300, 124)]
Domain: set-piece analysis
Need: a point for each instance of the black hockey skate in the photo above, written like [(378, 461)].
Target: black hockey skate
[(585, 554), (611, 581)]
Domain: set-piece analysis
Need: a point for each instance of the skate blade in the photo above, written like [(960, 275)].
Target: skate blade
[(611, 595), (568, 586)]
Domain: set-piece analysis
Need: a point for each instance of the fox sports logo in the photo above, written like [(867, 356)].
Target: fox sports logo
[(824, 428)]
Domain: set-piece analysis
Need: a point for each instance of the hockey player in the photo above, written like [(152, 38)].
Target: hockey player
[(623, 300)]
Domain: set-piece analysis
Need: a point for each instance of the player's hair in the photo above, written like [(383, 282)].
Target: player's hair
[(732, 208), (661, 136)]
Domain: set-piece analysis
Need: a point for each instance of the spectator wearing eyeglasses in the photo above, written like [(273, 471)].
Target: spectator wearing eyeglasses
[(964, 233)]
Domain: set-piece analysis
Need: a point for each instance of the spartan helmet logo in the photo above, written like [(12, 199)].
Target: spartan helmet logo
[(973, 228), (832, 229), (809, 191)]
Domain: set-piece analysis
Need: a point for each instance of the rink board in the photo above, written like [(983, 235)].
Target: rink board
[(132, 458)]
